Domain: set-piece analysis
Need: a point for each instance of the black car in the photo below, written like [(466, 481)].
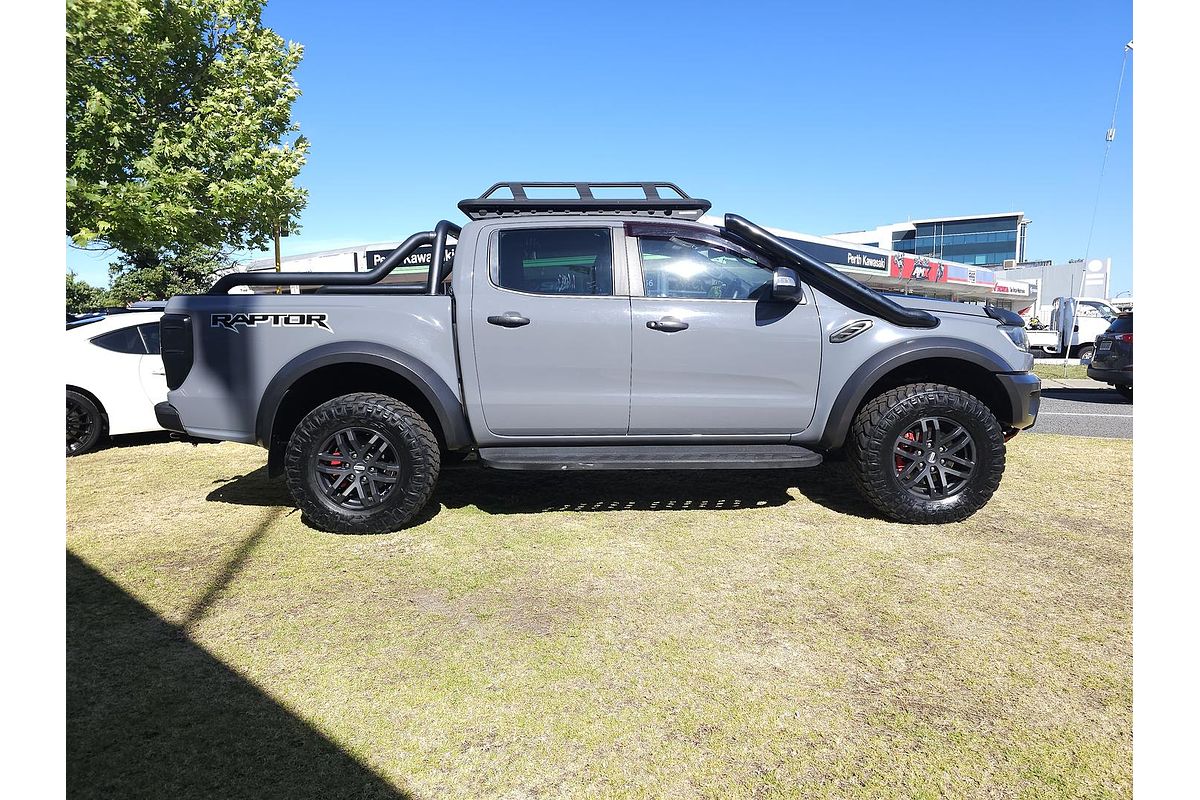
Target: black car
[(1113, 361)]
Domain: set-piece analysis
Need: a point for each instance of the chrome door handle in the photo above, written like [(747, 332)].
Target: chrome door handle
[(667, 325), (510, 319)]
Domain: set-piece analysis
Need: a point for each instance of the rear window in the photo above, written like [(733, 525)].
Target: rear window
[(574, 261), (1122, 324), (150, 336), (122, 340)]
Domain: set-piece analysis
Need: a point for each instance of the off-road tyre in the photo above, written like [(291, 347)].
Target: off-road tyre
[(1126, 392), (416, 454), (85, 424), (875, 434)]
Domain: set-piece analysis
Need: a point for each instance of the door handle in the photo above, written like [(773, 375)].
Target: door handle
[(510, 319), (667, 325)]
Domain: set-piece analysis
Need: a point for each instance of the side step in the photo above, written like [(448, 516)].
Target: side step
[(682, 456)]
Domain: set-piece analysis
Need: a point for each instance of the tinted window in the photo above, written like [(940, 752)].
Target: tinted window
[(150, 336), (122, 340), (1123, 324), (686, 268), (557, 261)]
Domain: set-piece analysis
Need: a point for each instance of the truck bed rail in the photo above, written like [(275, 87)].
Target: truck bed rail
[(436, 237)]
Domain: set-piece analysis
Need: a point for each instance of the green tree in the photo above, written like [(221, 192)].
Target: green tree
[(82, 296), (180, 142), (190, 272)]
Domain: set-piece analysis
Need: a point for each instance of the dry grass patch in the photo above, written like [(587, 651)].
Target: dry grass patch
[(683, 634)]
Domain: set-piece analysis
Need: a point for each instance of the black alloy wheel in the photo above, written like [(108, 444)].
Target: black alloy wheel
[(362, 463), (357, 468), (926, 453), (85, 425), (935, 458)]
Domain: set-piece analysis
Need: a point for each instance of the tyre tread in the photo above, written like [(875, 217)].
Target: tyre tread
[(417, 436), (871, 457)]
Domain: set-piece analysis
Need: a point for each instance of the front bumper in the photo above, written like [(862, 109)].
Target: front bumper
[(1024, 390), (168, 417)]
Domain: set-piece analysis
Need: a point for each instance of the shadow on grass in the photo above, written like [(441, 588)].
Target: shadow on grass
[(501, 492), (151, 714)]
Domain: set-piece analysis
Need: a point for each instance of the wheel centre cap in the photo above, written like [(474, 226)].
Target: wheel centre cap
[(360, 467)]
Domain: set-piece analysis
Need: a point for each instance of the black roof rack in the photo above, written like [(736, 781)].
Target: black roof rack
[(658, 199)]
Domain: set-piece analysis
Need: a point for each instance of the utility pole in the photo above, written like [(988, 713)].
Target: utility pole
[(278, 262)]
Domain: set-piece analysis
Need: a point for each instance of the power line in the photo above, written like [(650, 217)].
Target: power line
[(1109, 135)]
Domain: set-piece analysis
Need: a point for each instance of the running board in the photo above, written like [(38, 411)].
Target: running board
[(665, 457)]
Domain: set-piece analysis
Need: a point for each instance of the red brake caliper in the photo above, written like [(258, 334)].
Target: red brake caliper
[(335, 463), (900, 461)]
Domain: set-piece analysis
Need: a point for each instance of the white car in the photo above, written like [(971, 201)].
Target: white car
[(114, 377)]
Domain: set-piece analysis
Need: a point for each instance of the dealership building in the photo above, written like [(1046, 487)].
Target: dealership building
[(977, 259)]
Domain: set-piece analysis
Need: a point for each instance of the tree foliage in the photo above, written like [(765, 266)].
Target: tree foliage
[(180, 143), (187, 273), (82, 296)]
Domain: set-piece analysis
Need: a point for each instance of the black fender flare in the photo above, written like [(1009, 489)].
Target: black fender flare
[(853, 392), (450, 414)]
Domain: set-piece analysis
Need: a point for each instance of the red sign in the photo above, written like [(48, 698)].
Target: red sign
[(917, 268)]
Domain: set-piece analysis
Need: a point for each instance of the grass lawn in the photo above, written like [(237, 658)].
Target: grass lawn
[(1061, 371), (747, 634)]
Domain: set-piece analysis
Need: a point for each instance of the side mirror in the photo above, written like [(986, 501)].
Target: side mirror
[(785, 285)]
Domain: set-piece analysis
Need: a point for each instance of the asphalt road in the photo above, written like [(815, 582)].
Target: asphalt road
[(1083, 408)]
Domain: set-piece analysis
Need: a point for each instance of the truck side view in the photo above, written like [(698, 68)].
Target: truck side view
[(593, 333)]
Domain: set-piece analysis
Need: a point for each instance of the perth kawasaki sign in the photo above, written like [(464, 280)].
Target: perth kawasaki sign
[(419, 261), (841, 257)]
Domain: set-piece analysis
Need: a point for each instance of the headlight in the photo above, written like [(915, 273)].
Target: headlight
[(1017, 335)]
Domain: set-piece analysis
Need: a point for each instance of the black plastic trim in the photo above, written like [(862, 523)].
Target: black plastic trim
[(177, 347), (451, 416), (368, 278), (651, 204), (840, 287), (649, 457), (1005, 317), (1024, 390), (855, 388), (168, 417)]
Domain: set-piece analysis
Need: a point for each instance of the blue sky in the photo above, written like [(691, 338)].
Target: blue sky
[(813, 117)]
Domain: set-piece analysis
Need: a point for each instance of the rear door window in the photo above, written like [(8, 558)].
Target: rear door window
[(563, 261), (150, 337), (122, 340)]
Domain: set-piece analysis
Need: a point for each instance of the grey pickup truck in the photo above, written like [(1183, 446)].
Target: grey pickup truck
[(606, 330)]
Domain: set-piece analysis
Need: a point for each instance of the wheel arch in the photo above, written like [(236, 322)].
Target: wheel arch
[(332, 370), (91, 396), (963, 365)]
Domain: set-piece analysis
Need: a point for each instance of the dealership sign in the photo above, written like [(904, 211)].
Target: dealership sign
[(1017, 288), (842, 257), (419, 259)]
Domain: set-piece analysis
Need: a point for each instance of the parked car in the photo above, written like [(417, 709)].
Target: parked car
[(1092, 316), (596, 333), (1113, 362), (115, 377)]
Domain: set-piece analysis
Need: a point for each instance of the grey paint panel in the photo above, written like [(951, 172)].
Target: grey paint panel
[(740, 367), (440, 396), (567, 371), (235, 364)]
